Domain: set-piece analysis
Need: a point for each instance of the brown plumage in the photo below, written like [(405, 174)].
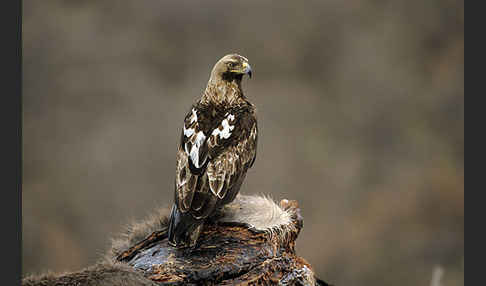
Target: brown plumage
[(217, 146)]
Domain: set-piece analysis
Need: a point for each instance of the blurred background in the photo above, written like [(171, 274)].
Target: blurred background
[(361, 119)]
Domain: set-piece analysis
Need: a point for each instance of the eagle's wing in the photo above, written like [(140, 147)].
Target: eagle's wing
[(192, 158), (213, 160), (233, 145)]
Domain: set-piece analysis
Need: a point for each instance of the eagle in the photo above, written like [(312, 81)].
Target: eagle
[(217, 146)]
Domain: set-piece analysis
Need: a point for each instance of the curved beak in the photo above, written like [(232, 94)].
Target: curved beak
[(247, 69)]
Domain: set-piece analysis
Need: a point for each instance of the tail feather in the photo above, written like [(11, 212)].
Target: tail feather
[(184, 229)]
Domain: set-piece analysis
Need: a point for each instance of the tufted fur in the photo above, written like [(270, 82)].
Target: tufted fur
[(137, 231), (103, 274), (259, 213)]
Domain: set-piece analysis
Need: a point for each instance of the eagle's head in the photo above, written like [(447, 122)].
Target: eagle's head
[(231, 67)]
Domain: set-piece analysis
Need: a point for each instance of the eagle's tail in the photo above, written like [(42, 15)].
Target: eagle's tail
[(184, 229)]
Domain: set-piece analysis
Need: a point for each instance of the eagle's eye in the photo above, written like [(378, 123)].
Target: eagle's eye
[(232, 64)]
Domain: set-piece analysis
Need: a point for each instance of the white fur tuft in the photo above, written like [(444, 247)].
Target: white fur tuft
[(259, 212)]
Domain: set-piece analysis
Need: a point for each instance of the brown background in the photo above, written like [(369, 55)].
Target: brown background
[(361, 118)]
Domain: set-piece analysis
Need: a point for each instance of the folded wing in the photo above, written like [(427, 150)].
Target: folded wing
[(212, 160)]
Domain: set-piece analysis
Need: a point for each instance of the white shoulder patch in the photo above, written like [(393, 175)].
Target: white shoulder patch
[(188, 132), (194, 116), (227, 128), (194, 152)]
